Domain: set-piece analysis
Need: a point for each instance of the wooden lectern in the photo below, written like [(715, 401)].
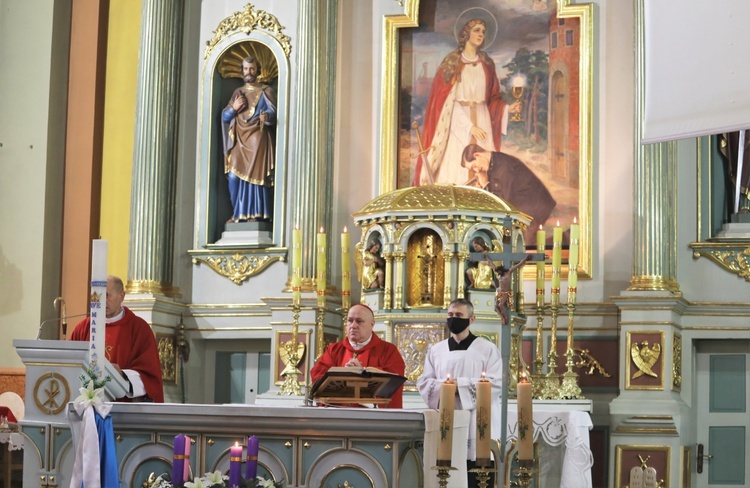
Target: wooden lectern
[(356, 386)]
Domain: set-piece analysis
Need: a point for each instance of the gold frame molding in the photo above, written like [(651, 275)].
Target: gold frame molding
[(389, 116)]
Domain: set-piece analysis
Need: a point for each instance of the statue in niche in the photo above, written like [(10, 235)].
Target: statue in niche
[(729, 148), (480, 273), (248, 123), (373, 275)]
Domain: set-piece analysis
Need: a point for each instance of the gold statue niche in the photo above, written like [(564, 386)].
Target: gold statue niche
[(425, 269)]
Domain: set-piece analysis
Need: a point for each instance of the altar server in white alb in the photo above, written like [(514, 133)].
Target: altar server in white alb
[(464, 357)]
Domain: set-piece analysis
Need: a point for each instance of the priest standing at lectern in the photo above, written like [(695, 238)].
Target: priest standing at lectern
[(129, 344), (465, 358), (361, 348)]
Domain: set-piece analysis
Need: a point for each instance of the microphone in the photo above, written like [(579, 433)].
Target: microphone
[(41, 326)]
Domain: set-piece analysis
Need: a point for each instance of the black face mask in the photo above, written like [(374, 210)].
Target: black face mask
[(457, 324)]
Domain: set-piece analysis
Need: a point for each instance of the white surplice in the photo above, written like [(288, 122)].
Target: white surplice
[(466, 368)]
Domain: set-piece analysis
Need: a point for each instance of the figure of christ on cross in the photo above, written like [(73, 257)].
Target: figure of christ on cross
[(504, 294)]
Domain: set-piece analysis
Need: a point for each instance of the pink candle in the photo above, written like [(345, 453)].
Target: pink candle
[(251, 468), (235, 464)]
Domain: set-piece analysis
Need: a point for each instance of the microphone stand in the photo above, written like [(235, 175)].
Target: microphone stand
[(61, 320)]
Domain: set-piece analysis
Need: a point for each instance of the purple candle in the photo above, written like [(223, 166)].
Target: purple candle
[(251, 468), (178, 460), (235, 465)]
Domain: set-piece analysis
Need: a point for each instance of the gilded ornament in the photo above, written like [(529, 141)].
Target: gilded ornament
[(165, 344), (237, 268), (677, 362), (247, 21), (645, 358), (587, 360)]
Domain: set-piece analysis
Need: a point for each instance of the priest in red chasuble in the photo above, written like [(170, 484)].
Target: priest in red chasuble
[(129, 344), (361, 348)]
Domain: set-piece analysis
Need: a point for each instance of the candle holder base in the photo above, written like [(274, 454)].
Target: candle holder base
[(525, 473), (483, 475), (443, 473), (551, 387), (569, 388)]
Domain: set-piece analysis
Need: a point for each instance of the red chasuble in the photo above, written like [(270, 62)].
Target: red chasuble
[(376, 354), (129, 343)]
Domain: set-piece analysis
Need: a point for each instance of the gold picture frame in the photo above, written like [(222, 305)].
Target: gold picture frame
[(391, 92)]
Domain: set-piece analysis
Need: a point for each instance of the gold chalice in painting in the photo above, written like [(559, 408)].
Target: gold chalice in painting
[(517, 92)]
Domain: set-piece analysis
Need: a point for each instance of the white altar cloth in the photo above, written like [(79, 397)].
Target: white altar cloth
[(564, 450), (562, 438)]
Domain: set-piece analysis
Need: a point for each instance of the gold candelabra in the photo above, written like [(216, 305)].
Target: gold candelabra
[(569, 387), (525, 472), (291, 354)]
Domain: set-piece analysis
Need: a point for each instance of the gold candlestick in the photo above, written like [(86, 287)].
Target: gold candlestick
[(292, 355), (483, 475), (525, 472), (443, 473), (569, 387), (538, 376), (319, 340), (551, 386)]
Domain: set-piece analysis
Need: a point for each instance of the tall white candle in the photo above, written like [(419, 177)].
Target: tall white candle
[(98, 305)]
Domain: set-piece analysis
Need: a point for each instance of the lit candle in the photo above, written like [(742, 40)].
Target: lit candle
[(321, 281), (296, 265), (556, 262), (445, 415), (484, 421), (98, 305), (178, 460), (235, 463), (541, 243), (573, 259), (251, 468), (525, 419), (345, 269)]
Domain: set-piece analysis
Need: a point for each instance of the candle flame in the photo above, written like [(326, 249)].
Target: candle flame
[(321, 230), (558, 222), (575, 220), (236, 444), (540, 227), (345, 230)]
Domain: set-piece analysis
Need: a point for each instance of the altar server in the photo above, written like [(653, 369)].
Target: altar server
[(464, 357), (130, 345)]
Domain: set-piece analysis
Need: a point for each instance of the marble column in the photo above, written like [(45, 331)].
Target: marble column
[(311, 151), (655, 200), (155, 150)]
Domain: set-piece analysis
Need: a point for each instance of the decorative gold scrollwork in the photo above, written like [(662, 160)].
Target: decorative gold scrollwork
[(677, 362), (735, 259), (237, 268), (644, 358), (247, 21), (587, 360)]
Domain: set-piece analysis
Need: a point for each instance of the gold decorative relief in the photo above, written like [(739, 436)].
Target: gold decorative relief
[(645, 364), (51, 393), (732, 257), (413, 340), (677, 362), (587, 361), (237, 268), (165, 344), (247, 21)]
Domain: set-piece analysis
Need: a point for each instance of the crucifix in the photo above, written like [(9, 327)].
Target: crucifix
[(503, 302)]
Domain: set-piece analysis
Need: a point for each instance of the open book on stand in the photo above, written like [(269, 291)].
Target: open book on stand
[(356, 385)]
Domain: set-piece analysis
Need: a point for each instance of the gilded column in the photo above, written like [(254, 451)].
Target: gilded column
[(312, 142), (448, 283), (388, 280), (398, 280), (152, 204), (655, 197), (462, 257)]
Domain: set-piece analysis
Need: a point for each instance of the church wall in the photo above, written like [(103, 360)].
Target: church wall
[(33, 92)]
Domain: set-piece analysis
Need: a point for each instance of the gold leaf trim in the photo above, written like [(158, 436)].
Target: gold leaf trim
[(237, 268), (733, 259), (247, 21)]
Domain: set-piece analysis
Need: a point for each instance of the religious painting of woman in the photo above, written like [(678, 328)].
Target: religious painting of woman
[(502, 74)]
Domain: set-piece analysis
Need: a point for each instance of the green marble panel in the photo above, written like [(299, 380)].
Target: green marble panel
[(727, 446), (727, 380), (318, 447)]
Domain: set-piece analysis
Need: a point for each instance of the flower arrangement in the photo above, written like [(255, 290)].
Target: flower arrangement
[(211, 480)]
